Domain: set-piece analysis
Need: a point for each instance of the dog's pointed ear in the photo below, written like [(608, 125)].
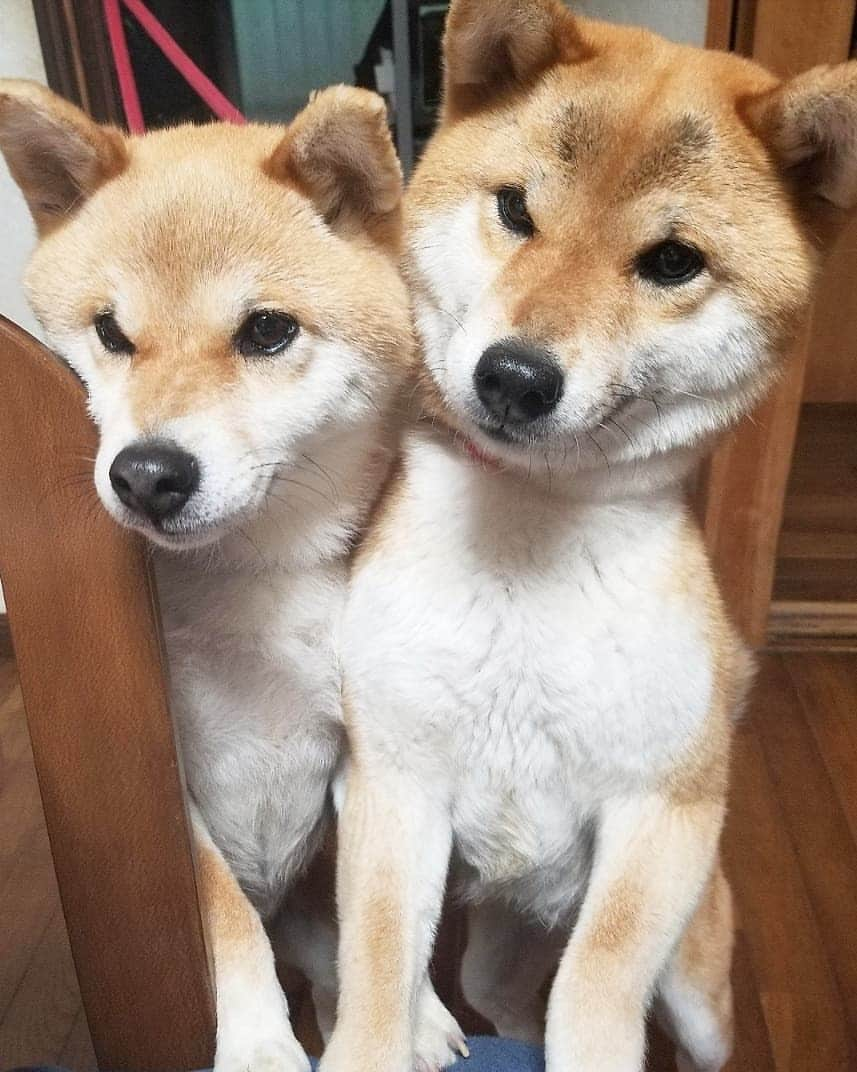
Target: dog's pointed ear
[(492, 46), (339, 153), (809, 124), (56, 153)]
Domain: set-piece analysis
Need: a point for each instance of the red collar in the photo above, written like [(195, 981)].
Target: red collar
[(487, 461), (476, 454)]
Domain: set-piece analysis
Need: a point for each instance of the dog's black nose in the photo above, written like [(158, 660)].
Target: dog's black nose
[(517, 382), (154, 478)]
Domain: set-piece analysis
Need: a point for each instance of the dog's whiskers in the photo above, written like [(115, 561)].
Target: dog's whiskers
[(325, 473)]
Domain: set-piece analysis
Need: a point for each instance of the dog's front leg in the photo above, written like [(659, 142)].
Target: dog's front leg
[(394, 844), (653, 858), (254, 1033)]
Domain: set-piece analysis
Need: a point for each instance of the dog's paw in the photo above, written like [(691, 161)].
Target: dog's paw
[(439, 1041), (263, 1055)]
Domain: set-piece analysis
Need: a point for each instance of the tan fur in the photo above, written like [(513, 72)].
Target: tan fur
[(689, 578), (379, 952), (499, 49), (144, 217), (702, 951), (378, 529), (345, 161), (89, 155), (234, 927), (703, 960), (618, 922), (382, 927)]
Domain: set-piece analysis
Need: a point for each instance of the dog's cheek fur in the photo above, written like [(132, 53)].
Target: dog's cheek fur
[(456, 311), (180, 293)]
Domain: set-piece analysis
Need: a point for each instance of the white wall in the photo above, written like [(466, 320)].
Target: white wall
[(680, 20), (20, 57)]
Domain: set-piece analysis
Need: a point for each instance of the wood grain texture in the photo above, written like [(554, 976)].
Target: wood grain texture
[(5, 637), (831, 374), (815, 588), (84, 622), (745, 481), (743, 501), (41, 1013), (719, 26), (78, 61), (791, 35), (821, 626)]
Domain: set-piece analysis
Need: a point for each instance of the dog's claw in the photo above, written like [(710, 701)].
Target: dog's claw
[(459, 1043)]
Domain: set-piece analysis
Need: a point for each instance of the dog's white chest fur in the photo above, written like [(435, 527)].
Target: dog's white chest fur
[(526, 657), (256, 689)]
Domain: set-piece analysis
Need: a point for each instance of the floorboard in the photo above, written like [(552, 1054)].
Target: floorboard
[(790, 850)]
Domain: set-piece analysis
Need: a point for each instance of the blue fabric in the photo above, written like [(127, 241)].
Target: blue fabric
[(486, 1055), (501, 1055)]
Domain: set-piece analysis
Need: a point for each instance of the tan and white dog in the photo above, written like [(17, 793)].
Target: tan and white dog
[(611, 240), (231, 299)]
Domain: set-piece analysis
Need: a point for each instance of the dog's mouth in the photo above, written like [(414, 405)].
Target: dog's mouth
[(500, 434), (195, 525), (175, 533), (491, 442), (544, 433)]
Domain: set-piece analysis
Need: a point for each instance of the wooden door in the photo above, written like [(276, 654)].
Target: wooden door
[(744, 483)]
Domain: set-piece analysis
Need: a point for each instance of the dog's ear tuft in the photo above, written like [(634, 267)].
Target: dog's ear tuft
[(492, 46), (339, 152), (56, 154), (809, 123)]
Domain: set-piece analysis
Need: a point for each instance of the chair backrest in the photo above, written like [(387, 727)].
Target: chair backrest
[(84, 621)]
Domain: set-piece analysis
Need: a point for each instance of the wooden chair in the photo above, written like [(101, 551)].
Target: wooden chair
[(85, 626)]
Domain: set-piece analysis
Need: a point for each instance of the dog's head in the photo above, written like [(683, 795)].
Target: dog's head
[(227, 294), (612, 238)]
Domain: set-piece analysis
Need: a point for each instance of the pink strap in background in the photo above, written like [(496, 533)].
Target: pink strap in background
[(124, 70), (200, 83)]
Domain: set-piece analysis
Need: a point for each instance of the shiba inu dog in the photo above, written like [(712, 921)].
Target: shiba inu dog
[(231, 299), (610, 241)]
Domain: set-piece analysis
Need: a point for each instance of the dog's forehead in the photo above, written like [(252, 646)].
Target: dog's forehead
[(205, 235), (650, 111), (199, 209), (651, 128)]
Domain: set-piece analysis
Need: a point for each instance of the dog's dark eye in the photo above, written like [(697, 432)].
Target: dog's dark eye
[(265, 332), (112, 337), (512, 206), (670, 263)]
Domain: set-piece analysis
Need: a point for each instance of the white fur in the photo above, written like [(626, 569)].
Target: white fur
[(498, 654), (517, 671), (251, 581), (524, 676)]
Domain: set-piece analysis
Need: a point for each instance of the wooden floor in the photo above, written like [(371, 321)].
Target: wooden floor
[(790, 849)]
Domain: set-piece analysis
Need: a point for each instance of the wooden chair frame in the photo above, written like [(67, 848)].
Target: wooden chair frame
[(85, 626)]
